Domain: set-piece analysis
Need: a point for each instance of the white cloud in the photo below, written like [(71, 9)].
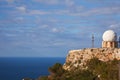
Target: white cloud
[(10, 35), (97, 11), (82, 11), (45, 26), (51, 2), (19, 18), (10, 1), (69, 2), (61, 12), (21, 8), (56, 2), (78, 11), (115, 26), (39, 12), (56, 30)]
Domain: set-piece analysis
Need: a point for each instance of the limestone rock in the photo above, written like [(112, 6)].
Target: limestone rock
[(78, 58)]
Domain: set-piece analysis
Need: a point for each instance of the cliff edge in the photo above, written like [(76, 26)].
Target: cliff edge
[(78, 58)]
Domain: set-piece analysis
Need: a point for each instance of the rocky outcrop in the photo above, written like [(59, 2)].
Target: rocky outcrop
[(78, 58)]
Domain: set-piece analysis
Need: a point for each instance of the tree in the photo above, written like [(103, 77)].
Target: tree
[(43, 78), (56, 72), (96, 70)]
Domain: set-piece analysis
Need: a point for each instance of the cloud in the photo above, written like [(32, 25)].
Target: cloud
[(44, 26), (69, 2), (78, 11), (115, 26), (50, 28), (98, 11), (19, 19), (10, 35), (50, 2), (57, 2), (55, 30), (10, 1), (39, 12), (21, 8)]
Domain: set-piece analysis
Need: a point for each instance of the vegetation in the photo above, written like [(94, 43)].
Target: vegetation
[(106, 70), (96, 70), (26, 79)]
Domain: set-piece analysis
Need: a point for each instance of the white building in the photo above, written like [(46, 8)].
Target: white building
[(109, 39)]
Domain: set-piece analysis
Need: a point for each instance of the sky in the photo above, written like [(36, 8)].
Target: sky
[(50, 28)]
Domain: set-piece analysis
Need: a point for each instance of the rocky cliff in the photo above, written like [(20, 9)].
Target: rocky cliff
[(78, 58)]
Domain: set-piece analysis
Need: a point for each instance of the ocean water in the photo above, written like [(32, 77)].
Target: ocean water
[(19, 68)]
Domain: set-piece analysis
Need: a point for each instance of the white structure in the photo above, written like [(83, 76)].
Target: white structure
[(109, 39)]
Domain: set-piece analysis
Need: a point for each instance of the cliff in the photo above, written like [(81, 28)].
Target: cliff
[(78, 58)]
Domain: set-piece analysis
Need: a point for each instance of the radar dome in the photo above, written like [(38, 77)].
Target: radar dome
[(109, 35)]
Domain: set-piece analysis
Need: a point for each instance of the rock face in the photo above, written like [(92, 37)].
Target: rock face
[(78, 58)]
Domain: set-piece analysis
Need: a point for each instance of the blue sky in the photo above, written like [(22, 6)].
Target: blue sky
[(50, 28)]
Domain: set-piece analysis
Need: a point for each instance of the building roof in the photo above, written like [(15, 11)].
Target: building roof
[(109, 35)]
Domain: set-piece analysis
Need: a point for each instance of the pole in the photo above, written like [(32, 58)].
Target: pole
[(119, 42), (92, 41)]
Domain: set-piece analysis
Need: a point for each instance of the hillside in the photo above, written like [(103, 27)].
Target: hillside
[(87, 64)]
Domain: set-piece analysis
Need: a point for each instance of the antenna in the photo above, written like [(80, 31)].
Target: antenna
[(92, 40), (119, 41)]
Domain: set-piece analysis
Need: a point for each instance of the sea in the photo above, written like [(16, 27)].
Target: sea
[(14, 68)]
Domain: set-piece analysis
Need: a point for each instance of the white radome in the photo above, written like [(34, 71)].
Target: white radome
[(109, 35)]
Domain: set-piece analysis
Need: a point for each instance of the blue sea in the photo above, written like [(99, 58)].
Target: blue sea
[(19, 68)]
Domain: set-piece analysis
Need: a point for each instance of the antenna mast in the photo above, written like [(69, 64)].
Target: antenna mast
[(92, 40), (119, 42)]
